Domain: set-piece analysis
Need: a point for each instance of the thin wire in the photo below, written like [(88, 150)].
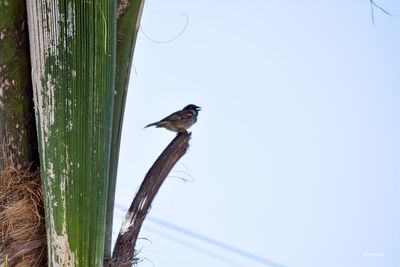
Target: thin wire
[(214, 242), (180, 178), (184, 172), (184, 166), (177, 172)]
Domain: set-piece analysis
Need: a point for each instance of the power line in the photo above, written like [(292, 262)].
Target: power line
[(195, 247), (214, 242)]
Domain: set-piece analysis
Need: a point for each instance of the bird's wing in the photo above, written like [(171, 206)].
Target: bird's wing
[(179, 115)]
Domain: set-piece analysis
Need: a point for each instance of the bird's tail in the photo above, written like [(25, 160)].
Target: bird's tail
[(151, 124)]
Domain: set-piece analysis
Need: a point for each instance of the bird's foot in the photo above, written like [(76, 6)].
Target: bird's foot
[(182, 131)]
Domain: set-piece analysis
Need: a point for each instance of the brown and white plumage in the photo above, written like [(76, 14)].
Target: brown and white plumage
[(179, 121)]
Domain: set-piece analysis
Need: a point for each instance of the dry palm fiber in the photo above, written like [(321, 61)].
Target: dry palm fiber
[(22, 224)]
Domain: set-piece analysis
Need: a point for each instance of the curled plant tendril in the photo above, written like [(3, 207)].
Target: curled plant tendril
[(173, 38), (373, 4)]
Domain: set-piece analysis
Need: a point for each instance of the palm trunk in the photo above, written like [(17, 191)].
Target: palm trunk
[(18, 145)]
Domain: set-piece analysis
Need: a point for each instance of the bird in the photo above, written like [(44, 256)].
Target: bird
[(179, 121)]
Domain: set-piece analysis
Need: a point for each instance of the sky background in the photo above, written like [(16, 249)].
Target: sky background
[(295, 155)]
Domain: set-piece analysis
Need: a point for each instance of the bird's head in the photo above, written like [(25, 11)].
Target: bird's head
[(192, 107)]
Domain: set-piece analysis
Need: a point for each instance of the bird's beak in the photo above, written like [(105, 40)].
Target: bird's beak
[(198, 108)]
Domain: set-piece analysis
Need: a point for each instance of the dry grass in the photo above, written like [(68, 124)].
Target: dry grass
[(22, 224)]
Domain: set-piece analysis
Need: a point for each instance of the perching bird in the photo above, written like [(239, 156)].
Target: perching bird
[(179, 121)]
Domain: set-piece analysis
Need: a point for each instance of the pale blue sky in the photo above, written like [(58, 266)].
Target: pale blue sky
[(295, 155)]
